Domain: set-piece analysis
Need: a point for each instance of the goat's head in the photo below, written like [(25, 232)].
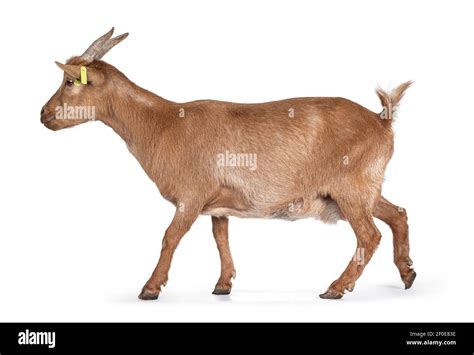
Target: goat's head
[(82, 94)]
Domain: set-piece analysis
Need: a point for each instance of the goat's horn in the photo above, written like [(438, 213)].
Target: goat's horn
[(95, 48), (108, 45)]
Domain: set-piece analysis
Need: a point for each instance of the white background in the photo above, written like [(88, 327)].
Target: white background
[(81, 224)]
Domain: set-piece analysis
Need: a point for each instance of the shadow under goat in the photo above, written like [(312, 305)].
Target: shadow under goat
[(323, 158)]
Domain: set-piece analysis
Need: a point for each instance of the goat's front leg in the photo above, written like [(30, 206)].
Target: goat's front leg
[(220, 229), (181, 223)]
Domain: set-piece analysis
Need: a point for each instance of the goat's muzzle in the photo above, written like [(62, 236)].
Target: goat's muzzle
[(46, 116)]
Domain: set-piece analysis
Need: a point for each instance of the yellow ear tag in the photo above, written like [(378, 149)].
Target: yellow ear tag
[(77, 82), (84, 75)]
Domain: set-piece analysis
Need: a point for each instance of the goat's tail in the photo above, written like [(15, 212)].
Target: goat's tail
[(390, 101)]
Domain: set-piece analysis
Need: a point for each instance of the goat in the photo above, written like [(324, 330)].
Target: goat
[(316, 157)]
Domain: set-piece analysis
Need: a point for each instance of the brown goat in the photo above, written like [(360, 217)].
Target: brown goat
[(305, 157)]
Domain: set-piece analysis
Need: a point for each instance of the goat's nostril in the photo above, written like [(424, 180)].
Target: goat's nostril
[(42, 110)]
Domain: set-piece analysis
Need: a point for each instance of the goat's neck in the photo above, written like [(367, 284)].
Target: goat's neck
[(132, 110), (139, 117)]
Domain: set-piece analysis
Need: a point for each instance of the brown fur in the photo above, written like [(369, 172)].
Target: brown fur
[(325, 160), (390, 101)]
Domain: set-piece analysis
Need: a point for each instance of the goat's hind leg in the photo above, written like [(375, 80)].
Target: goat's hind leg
[(396, 218), (368, 238)]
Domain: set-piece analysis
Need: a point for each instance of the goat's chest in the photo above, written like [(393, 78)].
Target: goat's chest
[(143, 157), (132, 148)]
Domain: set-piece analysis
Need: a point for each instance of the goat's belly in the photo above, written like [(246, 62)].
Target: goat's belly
[(324, 209)]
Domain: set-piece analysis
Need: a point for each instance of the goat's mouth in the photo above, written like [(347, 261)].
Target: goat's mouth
[(51, 123), (48, 119)]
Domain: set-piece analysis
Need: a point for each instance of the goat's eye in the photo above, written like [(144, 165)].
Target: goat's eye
[(69, 82)]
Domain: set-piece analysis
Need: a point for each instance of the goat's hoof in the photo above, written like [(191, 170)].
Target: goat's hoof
[(331, 295), (221, 291), (408, 280), (147, 294)]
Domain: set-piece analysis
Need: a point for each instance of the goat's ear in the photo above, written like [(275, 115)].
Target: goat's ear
[(93, 75)]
